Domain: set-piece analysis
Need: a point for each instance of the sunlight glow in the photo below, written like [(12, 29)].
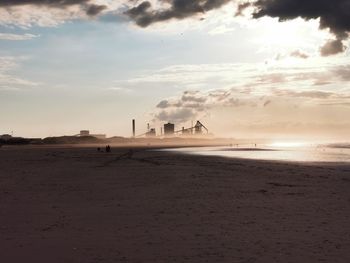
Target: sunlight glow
[(290, 35)]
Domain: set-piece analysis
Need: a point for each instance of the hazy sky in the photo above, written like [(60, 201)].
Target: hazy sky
[(258, 68)]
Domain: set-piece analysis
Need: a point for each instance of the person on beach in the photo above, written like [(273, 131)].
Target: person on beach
[(108, 149)]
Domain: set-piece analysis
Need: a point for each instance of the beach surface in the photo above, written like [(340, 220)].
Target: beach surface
[(74, 204)]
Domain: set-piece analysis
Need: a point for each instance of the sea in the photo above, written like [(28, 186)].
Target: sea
[(337, 153)]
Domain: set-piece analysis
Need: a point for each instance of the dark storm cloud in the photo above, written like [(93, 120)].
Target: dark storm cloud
[(144, 15), (91, 9), (333, 14)]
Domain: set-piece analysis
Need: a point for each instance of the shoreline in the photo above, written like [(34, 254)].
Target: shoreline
[(171, 147)]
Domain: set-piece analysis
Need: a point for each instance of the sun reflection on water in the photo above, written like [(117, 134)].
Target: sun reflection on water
[(278, 151)]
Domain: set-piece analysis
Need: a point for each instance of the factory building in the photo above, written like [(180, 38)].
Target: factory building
[(199, 127), (169, 129), (85, 133)]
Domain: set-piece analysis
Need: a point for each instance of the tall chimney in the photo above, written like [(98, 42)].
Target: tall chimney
[(133, 128)]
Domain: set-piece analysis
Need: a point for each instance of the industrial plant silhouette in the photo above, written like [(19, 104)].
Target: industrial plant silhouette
[(167, 131)]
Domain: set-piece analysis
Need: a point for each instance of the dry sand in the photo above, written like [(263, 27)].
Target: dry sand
[(78, 205)]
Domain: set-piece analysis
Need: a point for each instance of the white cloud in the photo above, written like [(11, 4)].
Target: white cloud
[(16, 37), (287, 73), (8, 79), (120, 89), (28, 16)]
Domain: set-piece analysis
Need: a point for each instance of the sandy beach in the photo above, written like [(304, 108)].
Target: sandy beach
[(61, 204)]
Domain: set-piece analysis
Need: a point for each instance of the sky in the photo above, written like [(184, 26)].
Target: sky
[(246, 69)]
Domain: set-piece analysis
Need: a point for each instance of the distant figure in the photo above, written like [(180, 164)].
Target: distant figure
[(108, 149), (99, 149)]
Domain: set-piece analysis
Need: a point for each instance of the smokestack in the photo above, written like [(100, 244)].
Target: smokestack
[(133, 128)]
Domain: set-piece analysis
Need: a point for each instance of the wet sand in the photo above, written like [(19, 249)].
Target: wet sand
[(78, 205)]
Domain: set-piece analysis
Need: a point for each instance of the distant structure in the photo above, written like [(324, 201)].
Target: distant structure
[(198, 128), (186, 132), (169, 129), (5, 137), (86, 133), (151, 133), (133, 128)]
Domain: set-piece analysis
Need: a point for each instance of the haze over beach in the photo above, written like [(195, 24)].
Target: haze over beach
[(174, 131)]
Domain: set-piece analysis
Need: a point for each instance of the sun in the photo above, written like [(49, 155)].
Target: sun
[(290, 35)]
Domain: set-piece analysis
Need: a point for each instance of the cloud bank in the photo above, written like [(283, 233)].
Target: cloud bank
[(192, 105), (333, 15), (257, 92)]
